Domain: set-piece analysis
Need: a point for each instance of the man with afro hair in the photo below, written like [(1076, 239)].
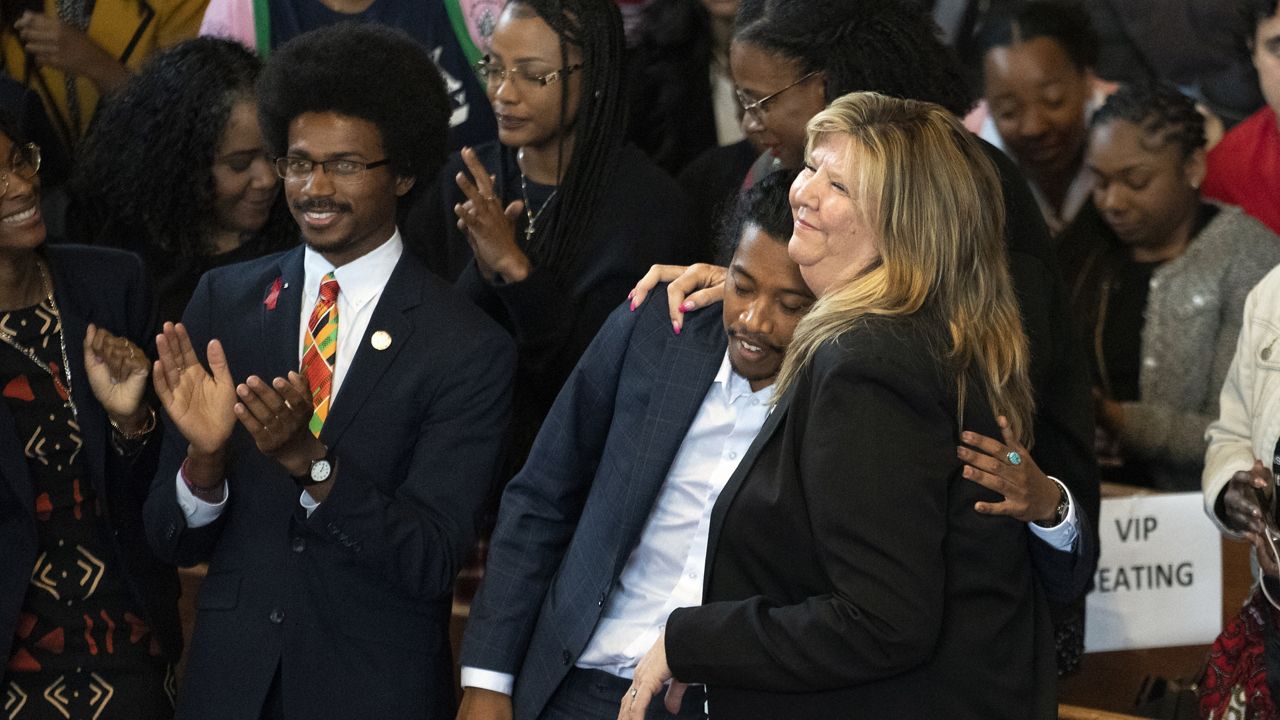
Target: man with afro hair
[(329, 462)]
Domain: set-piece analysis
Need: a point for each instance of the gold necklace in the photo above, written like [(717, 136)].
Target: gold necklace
[(7, 339)]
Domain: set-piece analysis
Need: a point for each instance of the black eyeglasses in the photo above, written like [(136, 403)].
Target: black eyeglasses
[(494, 74), (296, 168), (758, 108), (24, 161)]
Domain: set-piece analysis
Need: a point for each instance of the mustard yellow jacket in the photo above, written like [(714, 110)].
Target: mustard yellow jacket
[(129, 30)]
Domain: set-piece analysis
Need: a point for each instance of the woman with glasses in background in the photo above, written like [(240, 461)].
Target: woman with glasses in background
[(548, 227), (88, 618), (175, 169)]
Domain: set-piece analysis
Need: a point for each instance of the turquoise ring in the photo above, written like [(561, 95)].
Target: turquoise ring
[(1013, 457)]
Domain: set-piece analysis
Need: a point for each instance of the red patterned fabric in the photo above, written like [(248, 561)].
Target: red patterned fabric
[(1234, 684)]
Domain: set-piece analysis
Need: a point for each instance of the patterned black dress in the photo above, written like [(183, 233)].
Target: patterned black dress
[(81, 648)]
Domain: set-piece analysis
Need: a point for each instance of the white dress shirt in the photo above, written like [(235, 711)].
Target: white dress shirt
[(664, 571), (360, 286)]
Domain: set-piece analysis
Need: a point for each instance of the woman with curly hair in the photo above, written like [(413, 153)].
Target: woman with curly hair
[(176, 170)]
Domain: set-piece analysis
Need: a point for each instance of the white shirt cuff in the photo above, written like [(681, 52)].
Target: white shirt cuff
[(1063, 535), (199, 512), (307, 502), (488, 680)]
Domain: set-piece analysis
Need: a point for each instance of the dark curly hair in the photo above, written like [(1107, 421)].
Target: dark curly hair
[(594, 27), (367, 71), (1164, 114), (1066, 23), (766, 205), (147, 162), (886, 46)]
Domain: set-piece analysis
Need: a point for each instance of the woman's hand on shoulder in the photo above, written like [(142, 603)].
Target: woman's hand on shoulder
[(490, 228), (689, 288), (117, 370)]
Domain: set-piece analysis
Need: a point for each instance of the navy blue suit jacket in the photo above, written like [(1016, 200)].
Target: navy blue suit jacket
[(570, 519), (353, 602), (107, 288)]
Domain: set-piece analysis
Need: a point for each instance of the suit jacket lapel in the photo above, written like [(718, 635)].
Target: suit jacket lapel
[(686, 369), (402, 293), (281, 331), (731, 488)]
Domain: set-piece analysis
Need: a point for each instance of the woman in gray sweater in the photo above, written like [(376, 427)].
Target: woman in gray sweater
[(1158, 279)]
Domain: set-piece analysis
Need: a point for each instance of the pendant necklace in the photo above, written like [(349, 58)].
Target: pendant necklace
[(528, 207), (64, 389)]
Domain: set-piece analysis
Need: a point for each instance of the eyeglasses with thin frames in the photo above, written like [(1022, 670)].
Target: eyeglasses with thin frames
[(297, 169), (494, 74), (24, 161), (759, 108)]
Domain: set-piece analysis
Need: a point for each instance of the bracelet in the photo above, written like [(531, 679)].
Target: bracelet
[(206, 494), (147, 426)]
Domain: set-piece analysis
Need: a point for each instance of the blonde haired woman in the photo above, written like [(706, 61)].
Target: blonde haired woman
[(847, 574)]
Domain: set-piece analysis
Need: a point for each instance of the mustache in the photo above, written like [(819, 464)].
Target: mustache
[(320, 206), (753, 339)]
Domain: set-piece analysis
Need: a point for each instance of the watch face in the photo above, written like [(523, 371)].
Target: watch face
[(320, 470)]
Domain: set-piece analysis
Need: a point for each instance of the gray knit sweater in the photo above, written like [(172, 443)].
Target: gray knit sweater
[(1193, 317)]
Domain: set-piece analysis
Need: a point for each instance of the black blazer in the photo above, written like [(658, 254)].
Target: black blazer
[(107, 288), (848, 575), (352, 603)]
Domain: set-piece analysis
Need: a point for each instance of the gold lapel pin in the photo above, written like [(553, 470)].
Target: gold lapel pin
[(381, 340)]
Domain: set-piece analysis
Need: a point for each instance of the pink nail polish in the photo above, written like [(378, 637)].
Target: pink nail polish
[(633, 306), (675, 325), (686, 306)]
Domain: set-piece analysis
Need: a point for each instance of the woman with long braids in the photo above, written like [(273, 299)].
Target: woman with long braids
[(175, 169), (547, 228), (88, 616)]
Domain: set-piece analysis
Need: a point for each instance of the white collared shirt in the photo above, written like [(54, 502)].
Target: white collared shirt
[(664, 571), (360, 286)]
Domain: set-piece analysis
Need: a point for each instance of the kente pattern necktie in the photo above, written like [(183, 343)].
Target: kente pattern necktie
[(320, 351)]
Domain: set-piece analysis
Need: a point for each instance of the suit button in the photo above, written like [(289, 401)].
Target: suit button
[(600, 602), (299, 544), (565, 657), (170, 531), (276, 616)]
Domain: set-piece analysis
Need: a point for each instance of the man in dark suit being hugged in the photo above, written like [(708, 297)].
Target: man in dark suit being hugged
[(333, 490)]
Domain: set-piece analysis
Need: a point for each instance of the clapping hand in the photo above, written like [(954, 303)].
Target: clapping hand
[(277, 416), (117, 371), (199, 402)]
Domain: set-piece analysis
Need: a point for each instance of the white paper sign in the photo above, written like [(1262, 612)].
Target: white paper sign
[(1159, 580)]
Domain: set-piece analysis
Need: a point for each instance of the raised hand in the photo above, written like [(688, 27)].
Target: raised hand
[(689, 288), (117, 371), (199, 402), (489, 227)]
